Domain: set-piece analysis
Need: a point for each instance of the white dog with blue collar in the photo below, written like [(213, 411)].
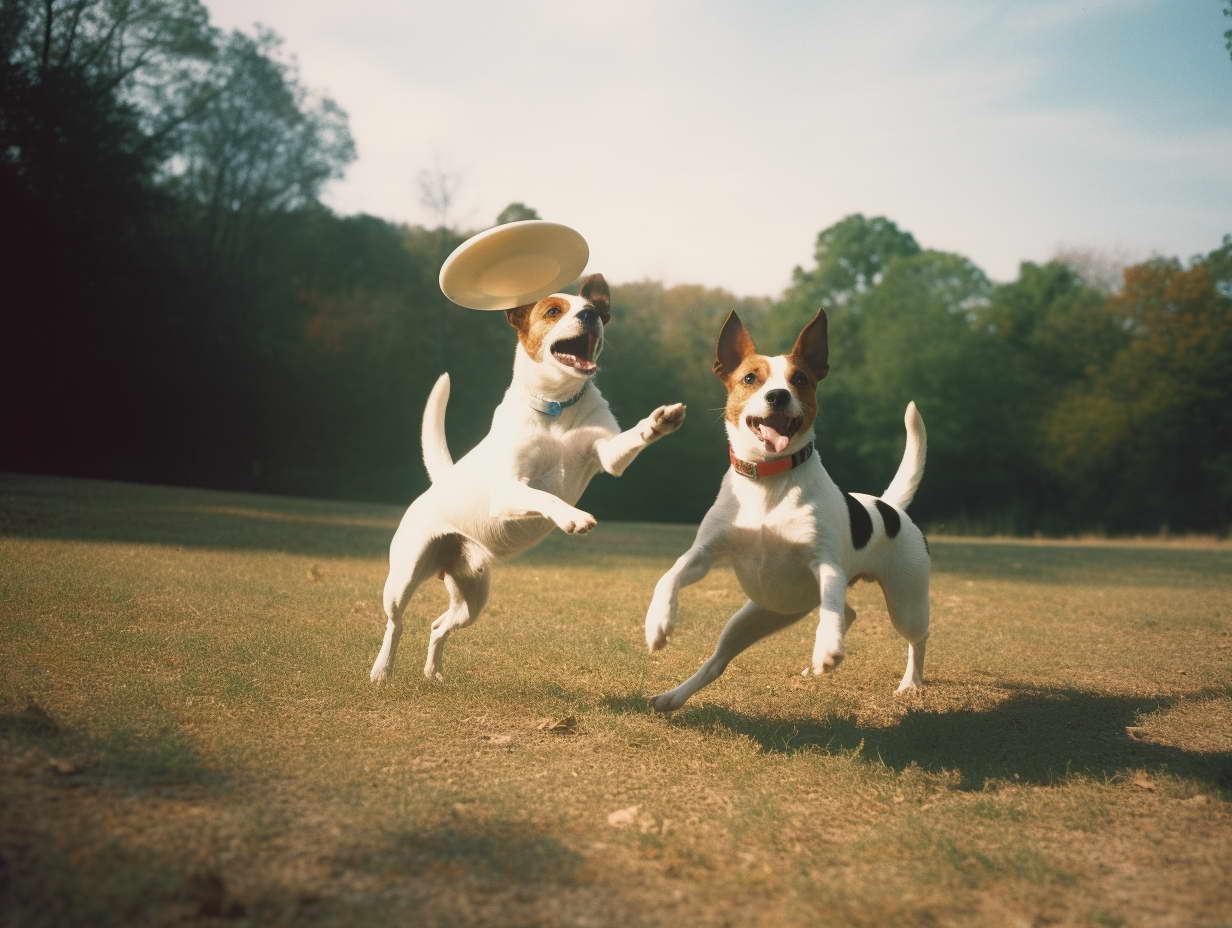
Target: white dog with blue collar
[(551, 434)]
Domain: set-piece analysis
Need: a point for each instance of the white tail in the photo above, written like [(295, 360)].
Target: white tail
[(436, 456), (906, 481)]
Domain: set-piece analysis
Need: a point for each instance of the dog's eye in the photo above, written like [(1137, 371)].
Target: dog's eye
[(552, 312), (799, 380), (750, 377)]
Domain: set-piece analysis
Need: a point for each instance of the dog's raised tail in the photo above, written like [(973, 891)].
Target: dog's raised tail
[(901, 490), (437, 458)]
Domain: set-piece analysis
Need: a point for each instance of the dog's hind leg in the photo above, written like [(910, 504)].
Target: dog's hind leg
[(906, 594), (411, 562), (468, 594), (750, 624)]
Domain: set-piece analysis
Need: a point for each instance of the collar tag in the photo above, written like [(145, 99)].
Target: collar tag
[(553, 408), (746, 468)]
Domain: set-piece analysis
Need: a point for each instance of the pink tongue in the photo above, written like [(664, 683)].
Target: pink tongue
[(772, 438)]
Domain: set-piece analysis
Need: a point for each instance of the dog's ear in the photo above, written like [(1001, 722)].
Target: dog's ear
[(734, 346), (519, 318), (595, 290), (812, 348)]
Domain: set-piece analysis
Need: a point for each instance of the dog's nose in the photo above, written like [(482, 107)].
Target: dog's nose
[(778, 398), (588, 316)]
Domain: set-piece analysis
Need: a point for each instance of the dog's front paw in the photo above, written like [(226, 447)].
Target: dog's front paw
[(663, 421), (575, 522)]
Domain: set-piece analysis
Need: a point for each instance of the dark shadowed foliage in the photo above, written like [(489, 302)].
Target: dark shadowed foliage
[(180, 308)]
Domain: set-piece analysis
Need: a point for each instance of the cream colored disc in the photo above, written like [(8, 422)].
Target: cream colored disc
[(514, 264)]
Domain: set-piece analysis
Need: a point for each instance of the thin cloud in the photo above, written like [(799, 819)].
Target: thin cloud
[(710, 143)]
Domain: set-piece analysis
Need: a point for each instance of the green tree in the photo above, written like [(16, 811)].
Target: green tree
[(263, 143), (1227, 36), (851, 257), (1145, 443), (919, 342), (82, 136), (516, 212)]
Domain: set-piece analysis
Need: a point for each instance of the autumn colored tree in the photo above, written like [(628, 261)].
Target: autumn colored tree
[(1147, 443)]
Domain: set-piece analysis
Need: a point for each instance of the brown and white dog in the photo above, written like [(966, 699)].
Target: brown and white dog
[(550, 435), (796, 541)]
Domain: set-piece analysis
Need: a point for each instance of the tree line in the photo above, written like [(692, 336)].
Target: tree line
[(182, 309)]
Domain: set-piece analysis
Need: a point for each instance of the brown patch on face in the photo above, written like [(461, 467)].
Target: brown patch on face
[(535, 321), (596, 292), (812, 348), (754, 368), (804, 386), (734, 346)]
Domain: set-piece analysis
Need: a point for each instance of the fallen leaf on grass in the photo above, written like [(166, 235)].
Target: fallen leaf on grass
[(63, 767), (565, 726), (1142, 781), (634, 816), (314, 574), (622, 818)]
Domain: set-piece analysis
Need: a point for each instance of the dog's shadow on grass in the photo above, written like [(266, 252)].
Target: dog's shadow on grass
[(119, 758), (491, 849), (1038, 735)]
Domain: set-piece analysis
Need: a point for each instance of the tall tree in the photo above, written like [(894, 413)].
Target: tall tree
[(851, 257), (263, 143), (516, 212), (1145, 444), (91, 95)]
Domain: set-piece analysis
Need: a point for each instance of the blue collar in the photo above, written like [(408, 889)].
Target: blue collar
[(553, 408)]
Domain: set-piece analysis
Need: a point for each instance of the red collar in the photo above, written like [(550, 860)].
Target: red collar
[(757, 469)]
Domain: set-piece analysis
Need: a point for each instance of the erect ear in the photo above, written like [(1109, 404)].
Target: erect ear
[(734, 346), (519, 318), (595, 290), (812, 348)]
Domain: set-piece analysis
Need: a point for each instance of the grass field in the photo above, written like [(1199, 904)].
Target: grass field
[(187, 734)]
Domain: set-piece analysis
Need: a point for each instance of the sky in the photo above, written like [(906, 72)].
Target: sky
[(709, 141)]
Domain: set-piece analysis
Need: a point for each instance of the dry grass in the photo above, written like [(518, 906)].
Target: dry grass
[(187, 734)]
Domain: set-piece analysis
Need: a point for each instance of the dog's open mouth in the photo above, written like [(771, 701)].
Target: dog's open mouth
[(577, 352), (775, 430)]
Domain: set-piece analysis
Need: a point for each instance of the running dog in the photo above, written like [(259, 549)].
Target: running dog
[(796, 541)]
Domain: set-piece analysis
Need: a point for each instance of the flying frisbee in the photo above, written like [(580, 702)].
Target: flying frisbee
[(514, 264)]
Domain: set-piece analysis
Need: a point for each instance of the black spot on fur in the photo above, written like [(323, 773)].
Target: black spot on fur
[(861, 522), (889, 515)]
